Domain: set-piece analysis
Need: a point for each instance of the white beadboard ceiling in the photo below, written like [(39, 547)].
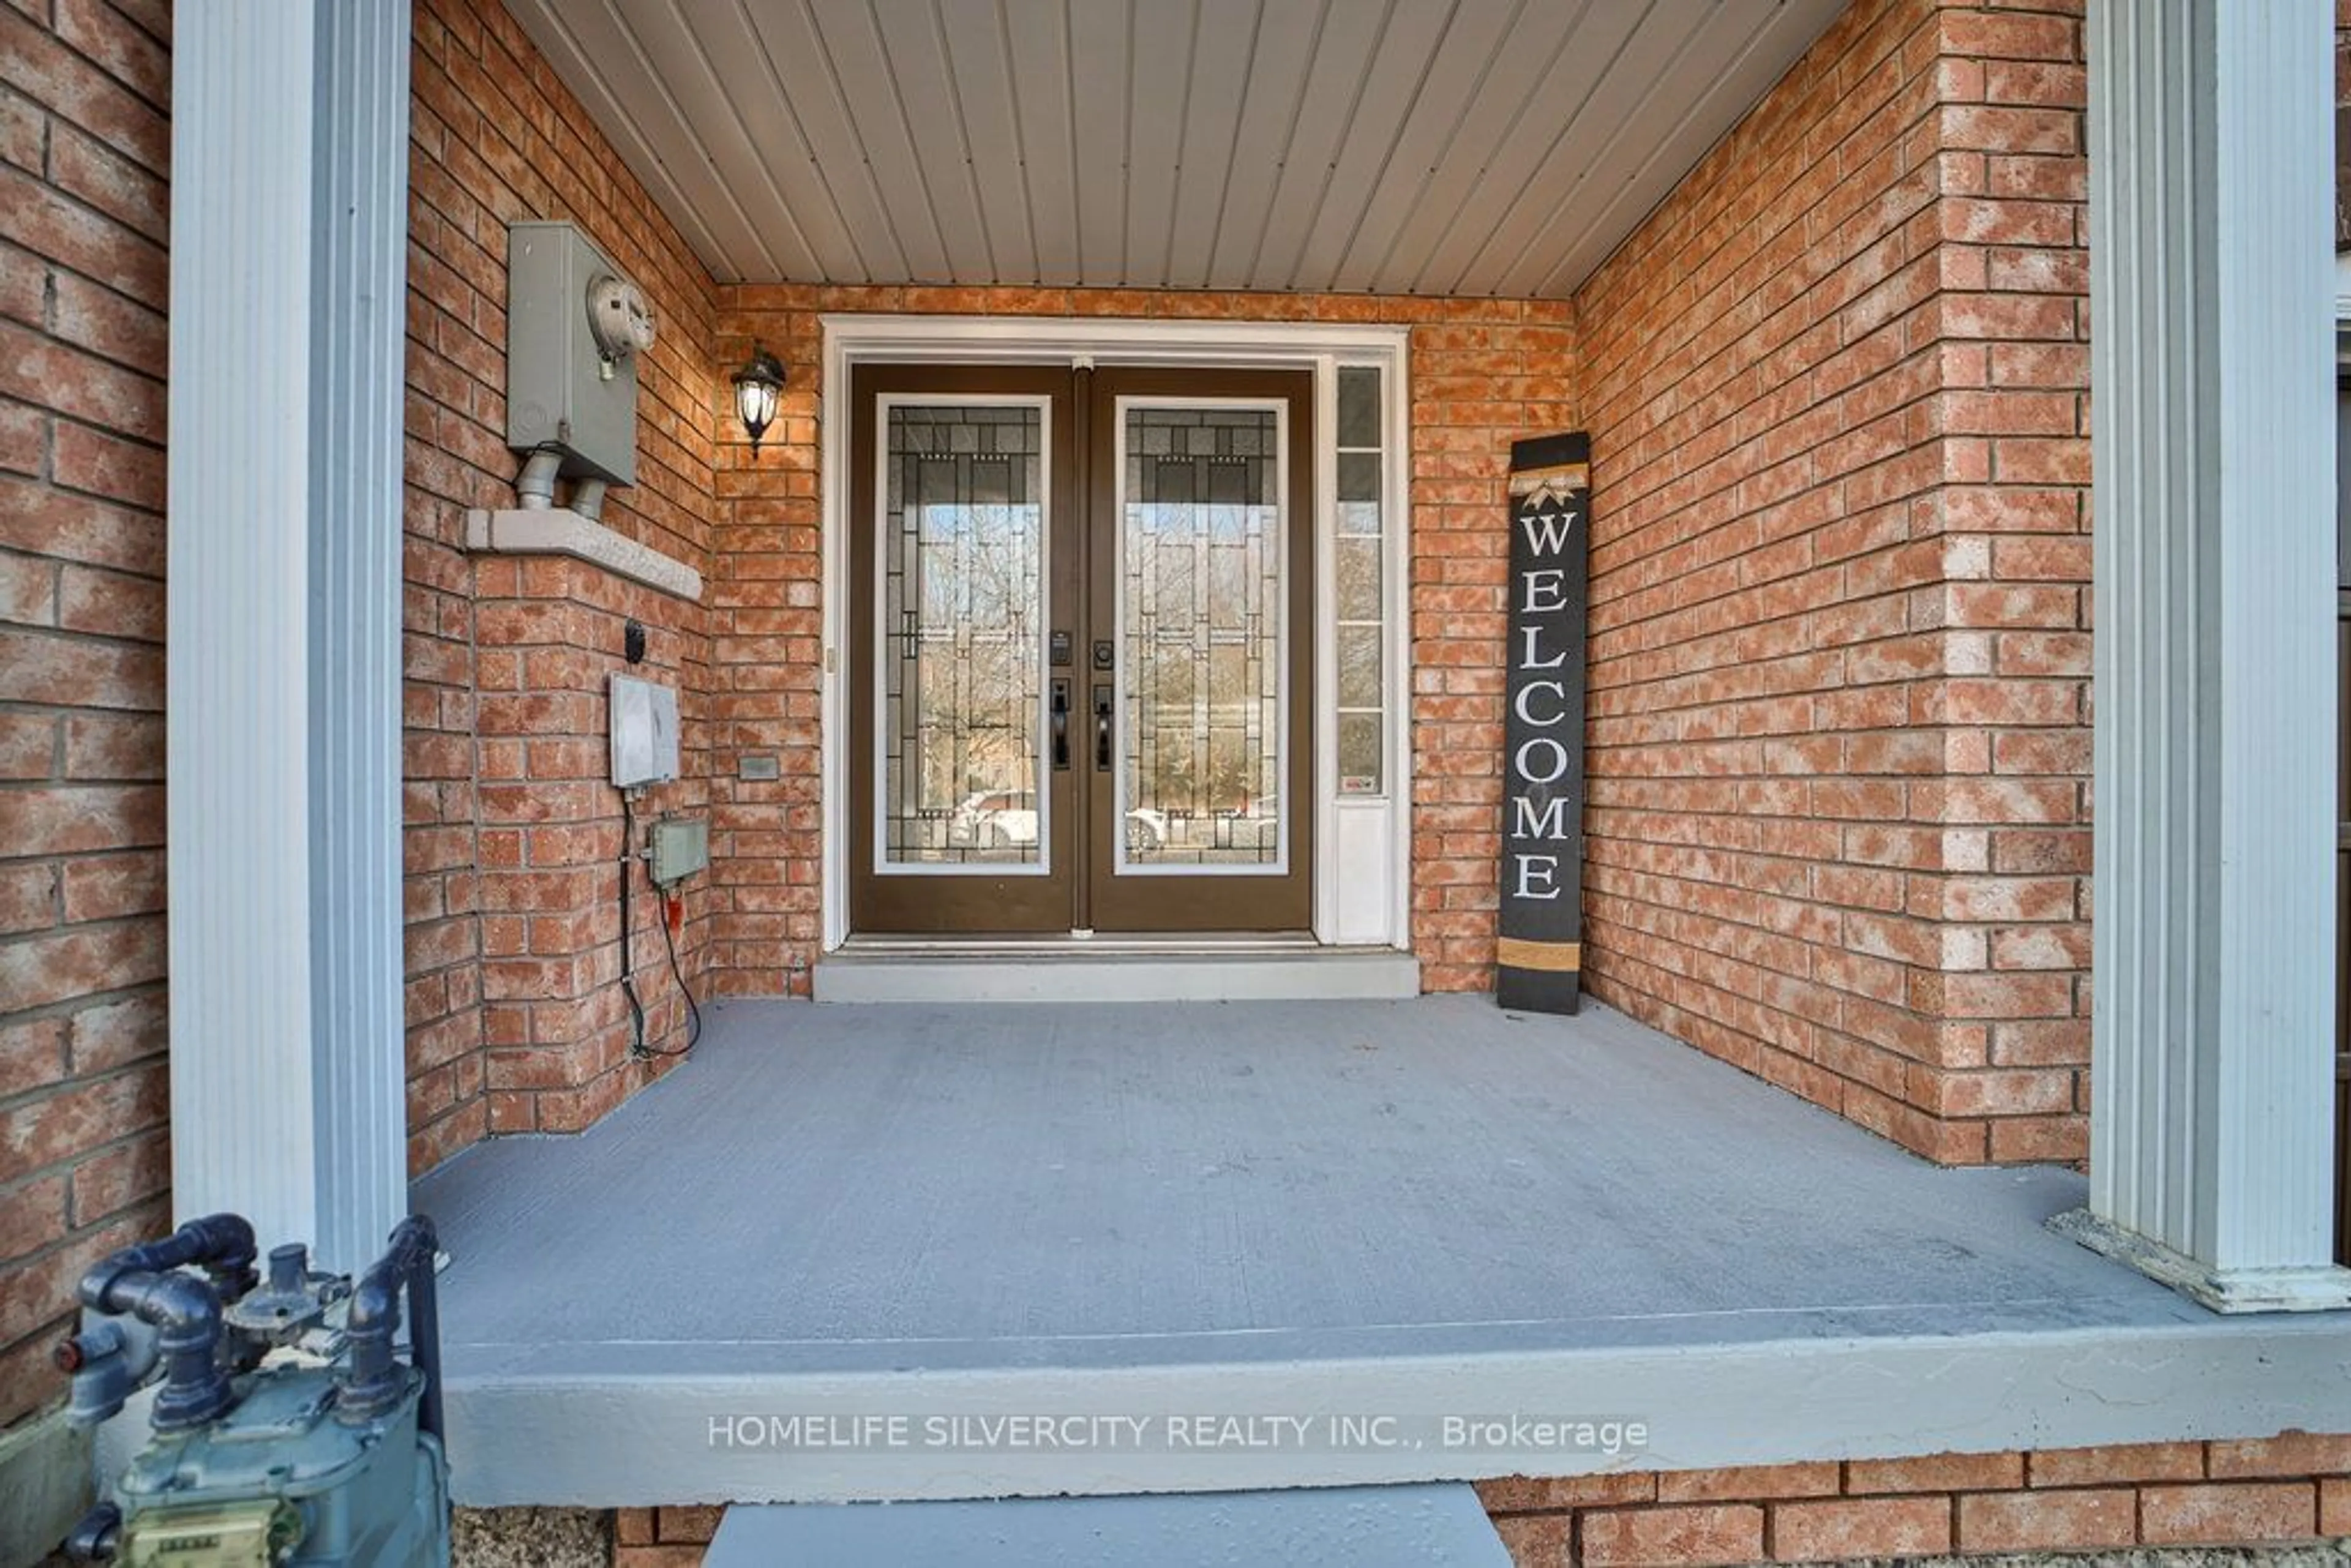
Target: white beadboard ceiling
[(1444, 147)]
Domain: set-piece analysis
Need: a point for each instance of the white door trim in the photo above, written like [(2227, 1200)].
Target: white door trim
[(1366, 863)]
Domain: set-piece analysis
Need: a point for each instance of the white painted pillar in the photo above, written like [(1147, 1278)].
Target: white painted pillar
[(2211, 179), (289, 194)]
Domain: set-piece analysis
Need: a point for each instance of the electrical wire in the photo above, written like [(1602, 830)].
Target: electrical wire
[(637, 1046), (692, 1009)]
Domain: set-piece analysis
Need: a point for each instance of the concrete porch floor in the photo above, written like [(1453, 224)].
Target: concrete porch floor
[(1397, 1211)]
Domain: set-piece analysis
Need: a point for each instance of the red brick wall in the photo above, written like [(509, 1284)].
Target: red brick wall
[(85, 140), (557, 1023), (2289, 1488), (1838, 832), (516, 1017), (1483, 373)]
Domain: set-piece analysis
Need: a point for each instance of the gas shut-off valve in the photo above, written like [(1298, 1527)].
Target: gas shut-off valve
[(287, 1430)]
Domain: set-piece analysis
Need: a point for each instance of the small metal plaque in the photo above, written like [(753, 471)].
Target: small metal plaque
[(758, 767)]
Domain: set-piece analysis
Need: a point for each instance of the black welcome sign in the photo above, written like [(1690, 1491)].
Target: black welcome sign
[(1540, 955)]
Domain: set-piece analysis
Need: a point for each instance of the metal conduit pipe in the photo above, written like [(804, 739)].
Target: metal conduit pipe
[(220, 1244), (537, 484), (145, 1283), (587, 499), (371, 1381)]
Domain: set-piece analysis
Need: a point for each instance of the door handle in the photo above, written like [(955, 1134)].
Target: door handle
[(1102, 729), (1061, 712)]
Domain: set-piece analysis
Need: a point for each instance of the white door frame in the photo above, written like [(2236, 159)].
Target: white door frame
[(1363, 846)]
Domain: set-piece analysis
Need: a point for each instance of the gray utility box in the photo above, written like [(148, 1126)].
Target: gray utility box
[(681, 847), (564, 391)]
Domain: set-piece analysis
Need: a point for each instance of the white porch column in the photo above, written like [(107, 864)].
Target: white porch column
[(2211, 177), (289, 193)]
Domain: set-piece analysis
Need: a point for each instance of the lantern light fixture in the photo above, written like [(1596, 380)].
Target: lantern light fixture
[(759, 386)]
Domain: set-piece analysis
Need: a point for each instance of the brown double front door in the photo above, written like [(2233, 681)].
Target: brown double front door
[(1082, 605)]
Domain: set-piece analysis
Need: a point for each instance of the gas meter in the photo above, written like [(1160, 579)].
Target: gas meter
[(287, 1431)]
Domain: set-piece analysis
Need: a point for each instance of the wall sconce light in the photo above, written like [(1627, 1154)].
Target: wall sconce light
[(758, 386)]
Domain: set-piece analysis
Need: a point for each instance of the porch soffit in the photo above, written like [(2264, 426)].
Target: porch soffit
[(1439, 146)]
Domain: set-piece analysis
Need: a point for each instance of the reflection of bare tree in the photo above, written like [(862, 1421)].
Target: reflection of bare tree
[(1201, 600), (1203, 562), (964, 594), (978, 568)]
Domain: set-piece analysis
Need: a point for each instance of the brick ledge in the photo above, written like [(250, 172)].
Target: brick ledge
[(558, 530)]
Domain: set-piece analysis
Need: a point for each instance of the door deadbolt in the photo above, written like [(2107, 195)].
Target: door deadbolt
[(1105, 653)]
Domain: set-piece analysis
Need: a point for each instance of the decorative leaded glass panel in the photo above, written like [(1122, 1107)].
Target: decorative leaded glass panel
[(1360, 548), (1200, 561), (963, 574)]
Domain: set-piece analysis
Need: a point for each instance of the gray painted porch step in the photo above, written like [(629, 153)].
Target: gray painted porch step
[(1435, 1525), (1112, 972)]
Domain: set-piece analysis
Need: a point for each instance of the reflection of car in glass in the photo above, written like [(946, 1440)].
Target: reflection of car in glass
[(994, 819), (1007, 819)]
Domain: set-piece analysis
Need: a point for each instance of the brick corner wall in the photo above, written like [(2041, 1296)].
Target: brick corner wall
[(1838, 832), (517, 1020)]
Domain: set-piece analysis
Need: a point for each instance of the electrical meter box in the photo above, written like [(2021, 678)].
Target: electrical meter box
[(575, 329), (644, 732)]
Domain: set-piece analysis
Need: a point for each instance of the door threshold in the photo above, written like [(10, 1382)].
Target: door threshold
[(1180, 968), (1042, 944)]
